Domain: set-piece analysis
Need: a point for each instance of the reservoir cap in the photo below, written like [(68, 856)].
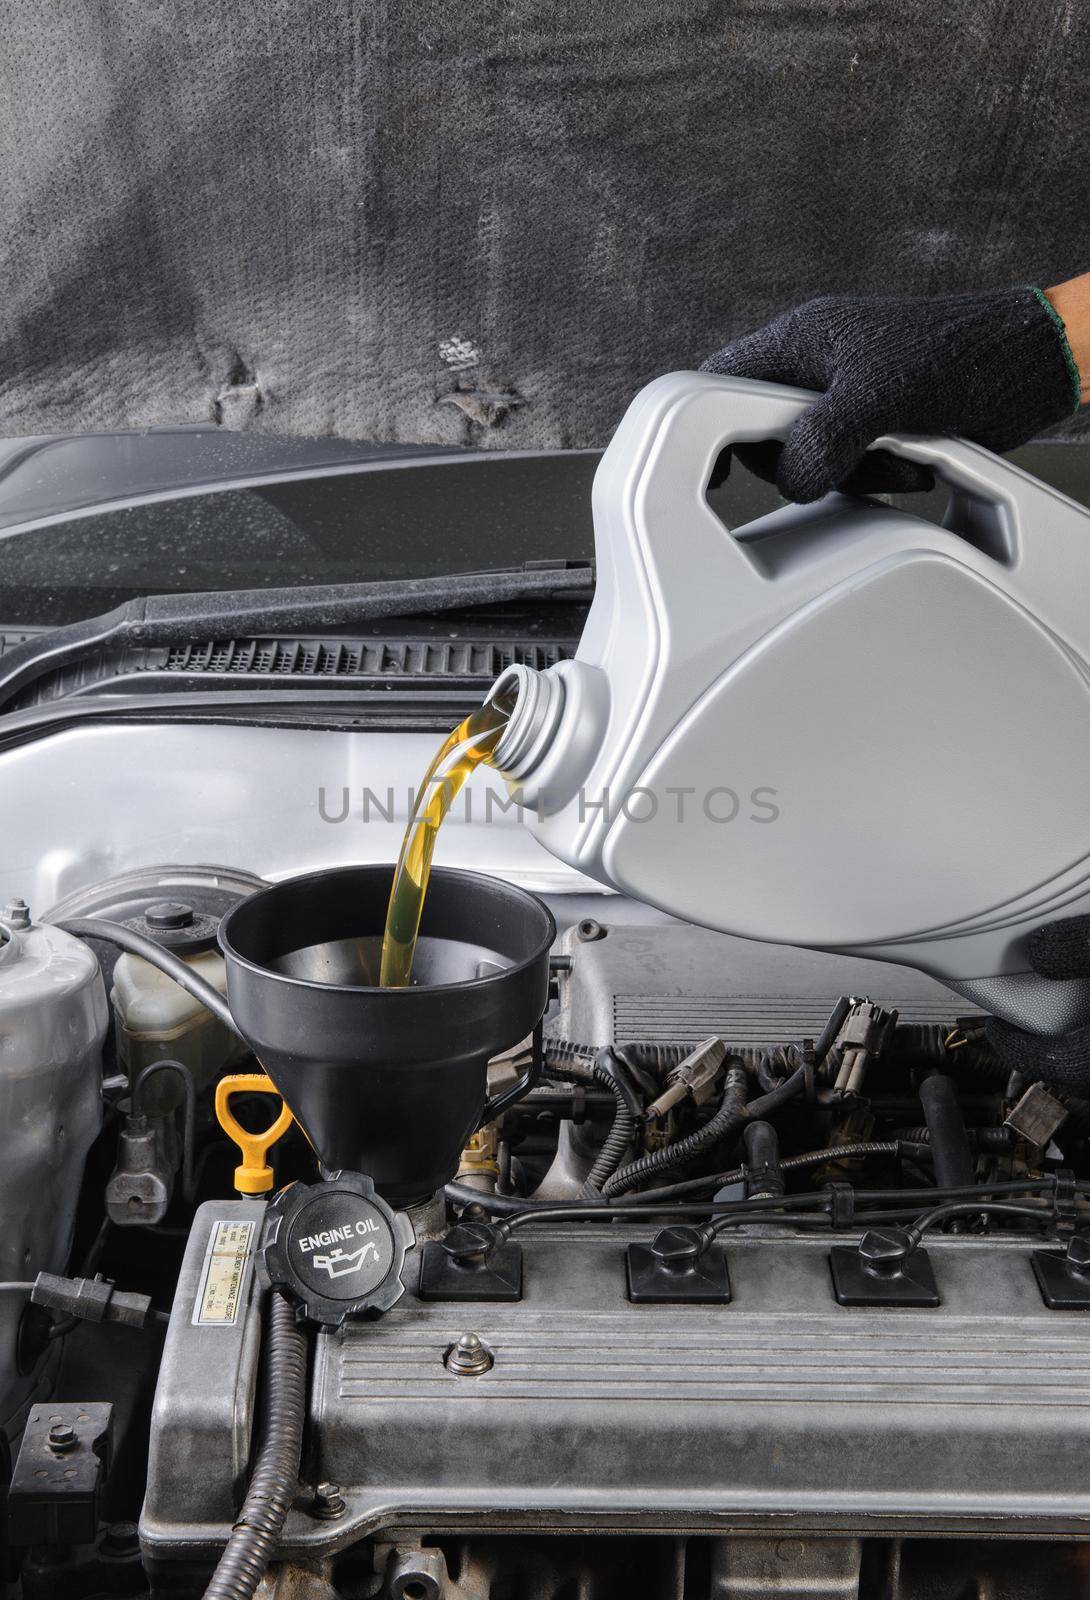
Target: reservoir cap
[(176, 926), (336, 1248)]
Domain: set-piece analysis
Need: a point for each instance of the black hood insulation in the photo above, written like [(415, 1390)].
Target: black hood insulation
[(472, 223)]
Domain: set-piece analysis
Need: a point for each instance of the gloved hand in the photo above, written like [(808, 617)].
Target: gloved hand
[(1059, 950), (995, 367)]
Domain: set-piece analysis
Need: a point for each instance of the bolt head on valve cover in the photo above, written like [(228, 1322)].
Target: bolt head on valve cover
[(336, 1248)]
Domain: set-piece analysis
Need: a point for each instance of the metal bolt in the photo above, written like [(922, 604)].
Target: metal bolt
[(678, 1248), (884, 1251), (121, 1540), (62, 1437), (16, 913), (328, 1502), (588, 930), (417, 1574), (469, 1358)]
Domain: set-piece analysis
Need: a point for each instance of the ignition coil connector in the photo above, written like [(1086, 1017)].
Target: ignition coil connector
[(863, 1035), (694, 1078)]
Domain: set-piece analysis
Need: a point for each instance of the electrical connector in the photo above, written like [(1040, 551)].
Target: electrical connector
[(863, 1035), (90, 1300), (1037, 1116), (693, 1079)]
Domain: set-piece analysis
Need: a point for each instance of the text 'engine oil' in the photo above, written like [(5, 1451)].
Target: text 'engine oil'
[(462, 751)]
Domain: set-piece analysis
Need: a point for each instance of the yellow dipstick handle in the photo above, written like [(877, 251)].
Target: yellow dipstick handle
[(254, 1175)]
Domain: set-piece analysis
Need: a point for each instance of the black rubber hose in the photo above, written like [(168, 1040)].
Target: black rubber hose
[(765, 1104), (645, 1079), (629, 1206), (949, 1145), (655, 1201), (764, 1175), (727, 1120), (137, 944), (733, 1111), (827, 1037), (558, 1052), (499, 1205), (622, 1130), (969, 1208), (623, 1127), (991, 1138), (977, 1059), (654, 1058), (811, 1158), (611, 1063), (274, 1481), (784, 1057)]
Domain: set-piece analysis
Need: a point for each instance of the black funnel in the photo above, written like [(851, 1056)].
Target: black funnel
[(388, 1082)]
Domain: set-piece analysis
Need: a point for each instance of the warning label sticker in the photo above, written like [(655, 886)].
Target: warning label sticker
[(219, 1299)]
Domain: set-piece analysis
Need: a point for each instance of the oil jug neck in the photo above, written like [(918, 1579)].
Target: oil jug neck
[(535, 717)]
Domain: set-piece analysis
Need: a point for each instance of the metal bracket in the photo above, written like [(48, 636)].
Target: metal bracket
[(63, 1459)]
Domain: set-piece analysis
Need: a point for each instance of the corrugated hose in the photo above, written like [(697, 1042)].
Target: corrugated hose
[(275, 1478)]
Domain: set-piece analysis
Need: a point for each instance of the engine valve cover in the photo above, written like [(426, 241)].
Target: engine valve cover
[(781, 1408)]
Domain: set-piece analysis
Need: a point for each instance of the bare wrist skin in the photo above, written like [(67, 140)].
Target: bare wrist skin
[(1071, 303)]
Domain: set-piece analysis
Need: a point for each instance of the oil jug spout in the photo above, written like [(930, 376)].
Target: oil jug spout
[(557, 722)]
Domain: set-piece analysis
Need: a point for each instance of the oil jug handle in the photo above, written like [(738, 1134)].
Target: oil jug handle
[(687, 418)]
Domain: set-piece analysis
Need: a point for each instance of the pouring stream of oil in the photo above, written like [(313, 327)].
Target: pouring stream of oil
[(472, 742)]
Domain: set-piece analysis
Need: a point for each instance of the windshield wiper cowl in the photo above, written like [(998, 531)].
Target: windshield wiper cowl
[(181, 618)]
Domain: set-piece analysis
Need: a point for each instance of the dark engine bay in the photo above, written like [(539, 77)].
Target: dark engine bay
[(759, 1276)]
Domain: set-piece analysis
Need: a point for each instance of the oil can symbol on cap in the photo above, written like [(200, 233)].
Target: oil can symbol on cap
[(339, 1263)]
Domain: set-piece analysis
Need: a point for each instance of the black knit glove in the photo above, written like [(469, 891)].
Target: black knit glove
[(1059, 950), (994, 367)]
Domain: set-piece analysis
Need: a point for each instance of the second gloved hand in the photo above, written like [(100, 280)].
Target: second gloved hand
[(1060, 951), (994, 367)]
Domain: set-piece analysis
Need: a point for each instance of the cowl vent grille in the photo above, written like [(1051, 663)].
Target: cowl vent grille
[(363, 667), (334, 658)]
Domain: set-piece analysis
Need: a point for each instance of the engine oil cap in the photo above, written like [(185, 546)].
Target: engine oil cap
[(336, 1248)]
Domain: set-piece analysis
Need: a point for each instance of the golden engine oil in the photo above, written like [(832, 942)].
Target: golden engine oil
[(462, 751)]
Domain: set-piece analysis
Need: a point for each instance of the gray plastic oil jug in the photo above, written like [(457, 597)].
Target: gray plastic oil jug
[(840, 726)]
